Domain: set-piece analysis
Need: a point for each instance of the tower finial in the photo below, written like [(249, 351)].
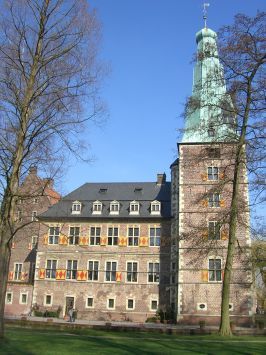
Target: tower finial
[(205, 5)]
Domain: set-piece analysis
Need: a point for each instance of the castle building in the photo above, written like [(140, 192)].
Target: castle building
[(123, 251)]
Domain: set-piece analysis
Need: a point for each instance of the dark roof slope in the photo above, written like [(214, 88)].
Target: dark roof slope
[(124, 193)]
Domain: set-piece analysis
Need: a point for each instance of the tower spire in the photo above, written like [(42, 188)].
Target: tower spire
[(205, 5)]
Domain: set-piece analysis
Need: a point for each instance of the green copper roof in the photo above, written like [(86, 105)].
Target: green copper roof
[(207, 119)]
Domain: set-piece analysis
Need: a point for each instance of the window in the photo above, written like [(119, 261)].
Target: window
[(95, 235), (48, 300), (114, 207), (213, 173), (214, 200), (112, 236), (34, 241), (35, 200), (155, 236), (76, 207), (214, 230), (134, 207), (50, 269), (133, 236), (154, 305), (19, 216), (18, 271), (93, 270), (202, 307), (211, 131), (103, 190), (23, 298), (97, 207), (110, 272), (154, 272), (9, 297), (110, 303), (73, 238), (155, 207), (34, 216), (132, 272), (213, 152), (89, 302), (130, 303), (53, 235), (72, 266), (215, 270)]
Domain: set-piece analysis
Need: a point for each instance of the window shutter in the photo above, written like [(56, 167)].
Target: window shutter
[(143, 242), (204, 203), (118, 277), (13, 245), (29, 246), (60, 274), (103, 241), (224, 235), (222, 203), (205, 234), (83, 240), (204, 177), (45, 239), (122, 241), (81, 275), (10, 276), (222, 176), (41, 273), (205, 275), (62, 239), (23, 276)]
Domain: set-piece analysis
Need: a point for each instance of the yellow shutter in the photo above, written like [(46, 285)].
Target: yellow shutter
[(143, 241), (122, 241), (60, 274), (205, 234), (103, 241), (82, 275), (204, 275), (63, 239), (222, 203), (118, 277), (23, 276), (204, 177), (83, 240), (204, 203), (45, 239), (224, 234)]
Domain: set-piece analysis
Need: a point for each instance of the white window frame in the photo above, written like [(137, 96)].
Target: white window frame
[(153, 272), (45, 299), (93, 270), (112, 236), (155, 237), (134, 303), (107, 302), (212, 174), (20, 297), (215, 258), (105, 271), (132, 272), (53, 237), (114, 208), (212, 202), (33, 242), (156, 207), (97, 207), (133, 236), (86, 303), (152, 298), (19, 272), (134, 208), (215, 226), (72, 273), (75, 239), (46, 268), (95, 236), (10, 293), (76, 207)]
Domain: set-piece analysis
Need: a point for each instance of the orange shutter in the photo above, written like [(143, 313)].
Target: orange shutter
[(221, 175), (60, 274), (82, 275), (222, 203), (205, 234), (143, 241), (10, 275), (204, 177), (45, 239), (63, 239), (224, 234), (204, 275), (41, 273), (103, 241), (83, 240), (29, 246), (204, 203), (118, 277), (122, 241)]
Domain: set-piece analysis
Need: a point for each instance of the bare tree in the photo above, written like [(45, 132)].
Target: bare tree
[(49, 88), (239, 117)]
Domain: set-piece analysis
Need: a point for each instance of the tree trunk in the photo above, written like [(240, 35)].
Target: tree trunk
[(4, 265)]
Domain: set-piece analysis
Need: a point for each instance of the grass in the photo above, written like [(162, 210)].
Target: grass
[(55, 342)]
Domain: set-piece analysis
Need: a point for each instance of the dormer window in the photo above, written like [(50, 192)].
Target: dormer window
[(76, 207), (134, 207), (156, 207), (114, 207), (97, 207)]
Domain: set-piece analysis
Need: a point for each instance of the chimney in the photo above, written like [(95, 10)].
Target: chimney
[(161, 178), (33, 170)]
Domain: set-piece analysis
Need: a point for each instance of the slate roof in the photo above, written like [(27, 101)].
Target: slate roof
[(124, 193)]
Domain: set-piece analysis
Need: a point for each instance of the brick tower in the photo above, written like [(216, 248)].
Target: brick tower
[(201, 199)]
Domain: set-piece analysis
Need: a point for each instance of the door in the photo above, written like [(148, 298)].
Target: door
[(69, 304)]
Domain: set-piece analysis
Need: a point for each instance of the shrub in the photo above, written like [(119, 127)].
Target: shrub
[(151, 320)]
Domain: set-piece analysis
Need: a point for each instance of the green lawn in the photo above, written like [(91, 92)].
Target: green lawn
[(43, 341)]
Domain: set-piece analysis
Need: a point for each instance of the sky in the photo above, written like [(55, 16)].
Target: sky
[(149, 45)]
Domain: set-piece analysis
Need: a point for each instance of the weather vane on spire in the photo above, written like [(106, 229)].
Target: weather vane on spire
[(205, 5)]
